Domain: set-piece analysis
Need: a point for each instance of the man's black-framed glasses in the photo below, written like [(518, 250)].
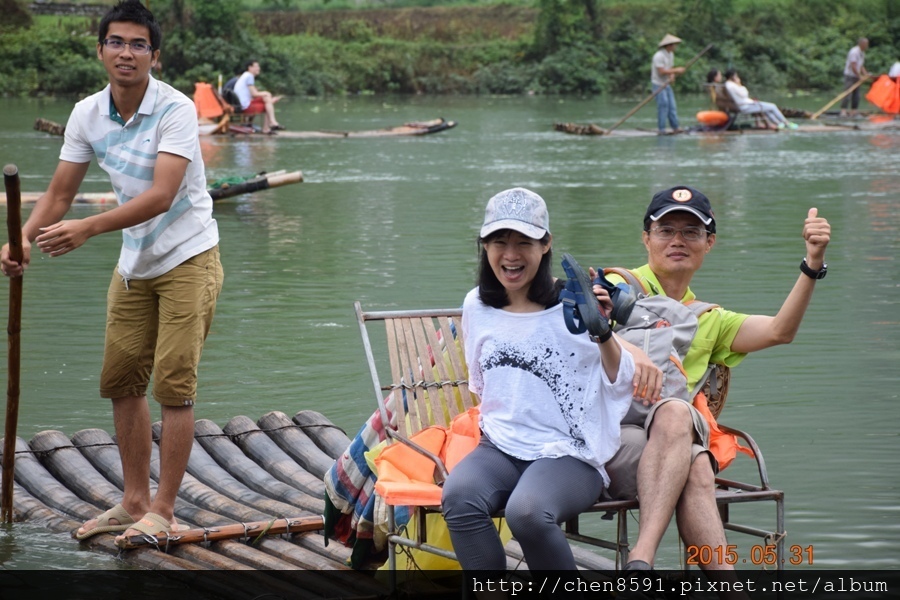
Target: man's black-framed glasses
[(690, 234), (117, 45)]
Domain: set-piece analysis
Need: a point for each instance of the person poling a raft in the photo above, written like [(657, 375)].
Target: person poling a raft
[(665, 77)]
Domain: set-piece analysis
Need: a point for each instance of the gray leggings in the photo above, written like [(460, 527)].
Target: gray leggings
[(537, 495)]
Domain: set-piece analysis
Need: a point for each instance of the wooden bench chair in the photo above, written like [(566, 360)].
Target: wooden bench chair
[(719, 95), (421, 380)]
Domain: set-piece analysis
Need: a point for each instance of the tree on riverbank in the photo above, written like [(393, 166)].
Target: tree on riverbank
[(15, 14), (550, 47)]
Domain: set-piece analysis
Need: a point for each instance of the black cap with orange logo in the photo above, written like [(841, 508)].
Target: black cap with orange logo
[(680, 198)]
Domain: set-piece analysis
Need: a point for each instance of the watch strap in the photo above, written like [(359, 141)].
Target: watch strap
[(812, 273)]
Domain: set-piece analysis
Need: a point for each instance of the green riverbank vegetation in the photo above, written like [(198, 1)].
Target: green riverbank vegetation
[(322, 47)]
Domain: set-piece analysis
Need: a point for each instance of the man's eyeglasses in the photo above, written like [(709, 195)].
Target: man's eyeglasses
[(136, 47), (690, 234)]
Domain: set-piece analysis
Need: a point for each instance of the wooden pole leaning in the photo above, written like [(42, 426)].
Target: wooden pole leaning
[(13, 329), (657, 91), (839, 97), (254, 530)]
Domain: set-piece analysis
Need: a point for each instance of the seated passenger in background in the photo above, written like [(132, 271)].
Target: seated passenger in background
[(894, 73), (254, 101), (746, 104)]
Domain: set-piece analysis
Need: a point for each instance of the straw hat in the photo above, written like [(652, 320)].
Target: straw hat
[(669, 39)]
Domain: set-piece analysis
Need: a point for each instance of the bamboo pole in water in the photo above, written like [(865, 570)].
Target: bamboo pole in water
[(263, 182), (13, 330)]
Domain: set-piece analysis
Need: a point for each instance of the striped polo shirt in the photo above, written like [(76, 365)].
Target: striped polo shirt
[(165, 122)]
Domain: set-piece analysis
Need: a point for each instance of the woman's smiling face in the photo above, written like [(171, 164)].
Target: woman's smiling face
[(514, 259)]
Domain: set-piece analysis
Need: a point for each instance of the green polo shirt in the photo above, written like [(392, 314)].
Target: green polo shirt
[(715, 333)]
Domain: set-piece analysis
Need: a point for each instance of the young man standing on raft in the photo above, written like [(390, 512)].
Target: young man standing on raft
[(669, 466), (163, 292)]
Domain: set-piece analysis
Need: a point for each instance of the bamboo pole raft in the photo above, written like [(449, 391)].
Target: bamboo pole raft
[(875, 123), (253, 497), (262, 181), (591, 129), (414, 128), (250, 503)]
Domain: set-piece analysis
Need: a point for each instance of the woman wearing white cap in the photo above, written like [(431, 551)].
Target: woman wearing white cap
[(551, 401), (663, 73)]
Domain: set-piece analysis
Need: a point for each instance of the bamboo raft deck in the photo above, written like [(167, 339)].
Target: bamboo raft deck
[(246, 472), (263, 181), (223, 127), (414, 128), (240, 474), (594, 130)]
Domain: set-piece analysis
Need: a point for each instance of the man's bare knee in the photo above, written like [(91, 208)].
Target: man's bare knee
[(672, 419), (701, 476)]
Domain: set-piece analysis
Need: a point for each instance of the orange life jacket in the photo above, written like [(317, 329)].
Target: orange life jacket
[(406, 477), (885, 94)]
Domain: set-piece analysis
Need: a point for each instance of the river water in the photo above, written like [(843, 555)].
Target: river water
[(392, 223)]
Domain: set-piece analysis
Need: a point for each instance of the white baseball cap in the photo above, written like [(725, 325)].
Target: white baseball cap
[(517, 209)]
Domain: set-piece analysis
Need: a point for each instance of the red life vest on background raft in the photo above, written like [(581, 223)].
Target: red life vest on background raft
[(885, 94)]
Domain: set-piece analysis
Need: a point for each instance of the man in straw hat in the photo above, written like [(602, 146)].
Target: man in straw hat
[(662, 74)]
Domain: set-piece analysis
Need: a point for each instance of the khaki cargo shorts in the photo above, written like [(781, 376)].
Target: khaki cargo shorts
[(159, 326), (622, 468)]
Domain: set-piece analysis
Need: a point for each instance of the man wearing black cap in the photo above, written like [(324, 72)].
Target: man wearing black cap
[(669, 466)]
